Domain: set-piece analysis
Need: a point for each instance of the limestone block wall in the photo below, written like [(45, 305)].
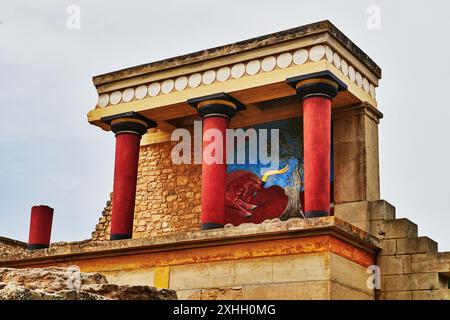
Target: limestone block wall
[(411, 266), (314, 276), (168, 197)]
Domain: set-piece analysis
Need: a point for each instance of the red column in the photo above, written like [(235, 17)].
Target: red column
[(214, 178), (317, 92), (317, 147), (129, 128), (40, 227), (124, 189), (216, 111)]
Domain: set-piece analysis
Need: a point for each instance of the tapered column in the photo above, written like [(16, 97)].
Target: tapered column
[(40, 227), (128, 128), (216, 112), (316, 94)]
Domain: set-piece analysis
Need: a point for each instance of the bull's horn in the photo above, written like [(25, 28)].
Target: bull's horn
[(273, 172)]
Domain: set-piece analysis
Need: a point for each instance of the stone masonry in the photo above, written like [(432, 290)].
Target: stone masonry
[(10, 246), (411, 266), (70, 284), (168, 197)]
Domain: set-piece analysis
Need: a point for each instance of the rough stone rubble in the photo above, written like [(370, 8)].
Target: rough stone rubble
[(70, 284)]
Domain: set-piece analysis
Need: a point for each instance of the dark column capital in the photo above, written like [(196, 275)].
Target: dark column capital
[(319, 84), (216, 105), (129, 122)]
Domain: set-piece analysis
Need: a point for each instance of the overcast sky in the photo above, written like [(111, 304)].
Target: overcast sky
[(49, 154)]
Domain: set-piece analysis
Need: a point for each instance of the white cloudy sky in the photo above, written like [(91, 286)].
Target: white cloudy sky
[(49, 154)]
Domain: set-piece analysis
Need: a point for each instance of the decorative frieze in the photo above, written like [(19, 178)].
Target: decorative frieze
[(238, 70)]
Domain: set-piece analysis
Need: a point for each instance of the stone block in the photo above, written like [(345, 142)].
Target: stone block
[(396, 295), (381, 210), (202, 275), (431, 262), (339, 291), (303, 267), (390, 265), (389, 247), (136, 277), (420, 281), (398, 228), (349, 274), (443, 294), (254, 271), (309, 290), (364, 211), (416, 245)]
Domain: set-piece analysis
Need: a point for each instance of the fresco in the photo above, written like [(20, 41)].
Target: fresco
[(256, 193)]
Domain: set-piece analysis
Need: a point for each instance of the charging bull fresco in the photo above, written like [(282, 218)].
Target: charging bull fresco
[(255, 192)]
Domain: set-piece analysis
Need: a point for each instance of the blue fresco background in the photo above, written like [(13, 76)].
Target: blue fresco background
[(291, 133), (290, 150)]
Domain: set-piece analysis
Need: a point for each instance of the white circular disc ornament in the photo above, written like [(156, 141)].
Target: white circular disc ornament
[(238, 70), (167, 86), (268, 63), (115, 97), (154, 89), (344, 67), (365, 85), (359, 80), (128, 95), (103, 100), (317, 53), (351, 73), (140, 92), (284, 60), (181, 83), (209, 77), (195, 80), (337, 60), (300, 56), (253, 67), (223, 74), (329, 54)]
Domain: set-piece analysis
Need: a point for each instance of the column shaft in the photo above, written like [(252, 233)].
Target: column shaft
[(214, 178), (124, 189), (317, 91), (216, 111), (317, 145), (129, 128)]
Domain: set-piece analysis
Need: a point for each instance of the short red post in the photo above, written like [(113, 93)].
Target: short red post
[(40, 227)]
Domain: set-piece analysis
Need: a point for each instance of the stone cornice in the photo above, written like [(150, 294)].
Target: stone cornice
[(142, 89), (245, 233), (242, 46), (252, 71)]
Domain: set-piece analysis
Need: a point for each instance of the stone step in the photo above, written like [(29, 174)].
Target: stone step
[(410, 282), (431, 262), (416, 245), (443, 294), (395, 229), (361, 211)]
